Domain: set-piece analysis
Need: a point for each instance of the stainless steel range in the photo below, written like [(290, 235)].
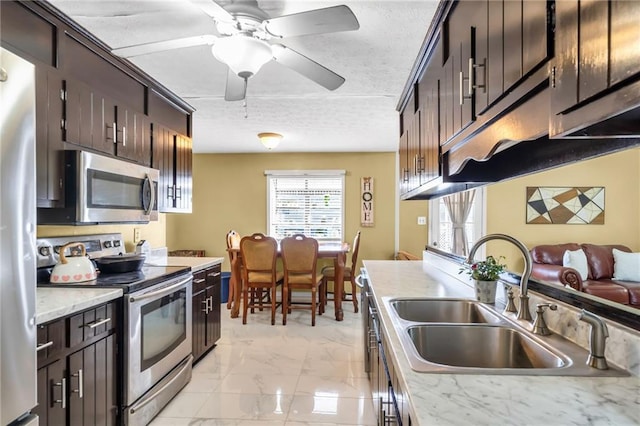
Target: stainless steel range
[(156, 334)]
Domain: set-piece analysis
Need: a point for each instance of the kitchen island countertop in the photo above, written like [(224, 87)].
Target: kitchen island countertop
[(463, 399), (53, 303), (195, 263)]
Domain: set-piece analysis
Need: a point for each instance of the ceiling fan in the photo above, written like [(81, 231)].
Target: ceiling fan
[(243, 43)]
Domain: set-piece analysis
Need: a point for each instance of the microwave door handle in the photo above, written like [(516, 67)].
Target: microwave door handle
[(152, 199)]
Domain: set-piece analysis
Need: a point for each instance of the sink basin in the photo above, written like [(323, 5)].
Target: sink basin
[(443, 311), (481, 346)]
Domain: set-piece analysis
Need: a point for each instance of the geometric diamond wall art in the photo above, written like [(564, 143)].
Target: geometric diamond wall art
[(562, 205)]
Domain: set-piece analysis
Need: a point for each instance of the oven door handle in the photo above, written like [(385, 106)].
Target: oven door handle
[(159, 293), (150, 398)]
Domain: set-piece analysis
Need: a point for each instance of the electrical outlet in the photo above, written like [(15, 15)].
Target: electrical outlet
[(136, 235), (422, 220)]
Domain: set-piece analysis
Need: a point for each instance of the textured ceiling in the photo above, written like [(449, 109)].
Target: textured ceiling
[(359, 116)]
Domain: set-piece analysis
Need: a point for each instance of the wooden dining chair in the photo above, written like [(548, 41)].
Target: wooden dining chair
[(259, 253), (233, 241), (329, 274), (300, 259)]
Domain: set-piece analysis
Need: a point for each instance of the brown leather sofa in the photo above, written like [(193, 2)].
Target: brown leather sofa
[(547, 266)]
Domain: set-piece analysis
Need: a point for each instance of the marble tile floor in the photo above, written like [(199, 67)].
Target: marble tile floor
[(291, 375)]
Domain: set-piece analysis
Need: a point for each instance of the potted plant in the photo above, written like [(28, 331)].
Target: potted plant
[(485, 274)]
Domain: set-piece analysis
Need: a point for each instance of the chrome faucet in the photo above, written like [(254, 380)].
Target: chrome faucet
[(523, 310), (599, 334)]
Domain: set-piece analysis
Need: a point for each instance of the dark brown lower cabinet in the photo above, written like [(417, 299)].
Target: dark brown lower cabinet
[(77, 376), (92, 399), (206, 301)]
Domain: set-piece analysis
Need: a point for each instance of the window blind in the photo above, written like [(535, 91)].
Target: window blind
[(309, 205)]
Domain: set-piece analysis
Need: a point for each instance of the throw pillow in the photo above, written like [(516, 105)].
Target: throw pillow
[(577, 260), (626, 266)]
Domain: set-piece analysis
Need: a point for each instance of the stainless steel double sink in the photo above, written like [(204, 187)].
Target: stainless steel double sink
[(465, 336)]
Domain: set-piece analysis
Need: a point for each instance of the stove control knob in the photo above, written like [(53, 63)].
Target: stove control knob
[(56, 249), (116, 243), (107, 244), (44, 251)]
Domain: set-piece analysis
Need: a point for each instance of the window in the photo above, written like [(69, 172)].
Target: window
[(441, 225), (306, 202)]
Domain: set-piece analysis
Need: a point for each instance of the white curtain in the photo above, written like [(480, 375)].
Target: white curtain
[(459, 206)]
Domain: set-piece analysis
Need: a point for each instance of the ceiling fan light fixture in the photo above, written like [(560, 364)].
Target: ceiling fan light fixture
[(244, 54), (270, 140)]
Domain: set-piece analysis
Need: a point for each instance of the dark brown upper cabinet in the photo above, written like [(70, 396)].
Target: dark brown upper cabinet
[(595, 75)]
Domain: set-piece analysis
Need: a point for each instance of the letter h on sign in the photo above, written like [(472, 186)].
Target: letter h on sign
[(366, 201)]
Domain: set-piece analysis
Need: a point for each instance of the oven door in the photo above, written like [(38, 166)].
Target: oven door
[(158, 335), (112, 190)]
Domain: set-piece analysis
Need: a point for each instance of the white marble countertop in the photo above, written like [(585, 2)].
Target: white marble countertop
[(195, 263), (461, 399), (53, 303)]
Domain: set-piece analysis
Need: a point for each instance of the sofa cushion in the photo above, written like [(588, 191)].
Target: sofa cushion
[(600, 258), (626, 266), (607, 289), (577, 260), (634, 291), (552, 254)]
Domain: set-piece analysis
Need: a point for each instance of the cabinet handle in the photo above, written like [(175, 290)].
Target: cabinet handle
[(124, 136), (472, 78), (405, 175), (63, 385), (213, 274), (461, 87), (199, 280), (80, 390), (170, 191), (206, 305), (97, 323), (44, 345), (210, 303), (178, 192), (115, 132)]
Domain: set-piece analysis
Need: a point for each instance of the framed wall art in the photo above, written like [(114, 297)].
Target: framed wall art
[(582, 205)]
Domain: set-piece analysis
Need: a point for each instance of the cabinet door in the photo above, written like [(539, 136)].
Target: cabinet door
[(52, 402), (461, 43), (183, 168), (430, 140), (49, 145), (214, 279), (105, 134), (199, 324), (134, 141), (403, 151), (78, 113), (92, 384), (625, 39), (162, 159)]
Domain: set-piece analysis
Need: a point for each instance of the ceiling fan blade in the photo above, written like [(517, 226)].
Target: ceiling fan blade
[(236, 87), (305, 66), (160, 46), (214, 10), (318, 21)]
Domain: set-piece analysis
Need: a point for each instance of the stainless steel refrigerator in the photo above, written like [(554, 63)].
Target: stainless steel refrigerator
[(17, 240)]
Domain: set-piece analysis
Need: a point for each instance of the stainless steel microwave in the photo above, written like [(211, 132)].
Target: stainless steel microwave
[(101, 189)]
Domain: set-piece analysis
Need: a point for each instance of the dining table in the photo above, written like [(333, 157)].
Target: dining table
[(326, 250)]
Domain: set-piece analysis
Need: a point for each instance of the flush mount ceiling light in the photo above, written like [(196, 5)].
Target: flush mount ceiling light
[(270, 140), (244, 54)]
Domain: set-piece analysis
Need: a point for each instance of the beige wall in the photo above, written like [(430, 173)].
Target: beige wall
[(154, 232), (413, 237), (618, 173), (229, 192)]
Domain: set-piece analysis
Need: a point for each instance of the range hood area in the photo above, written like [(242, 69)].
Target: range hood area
[(578, 99)]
